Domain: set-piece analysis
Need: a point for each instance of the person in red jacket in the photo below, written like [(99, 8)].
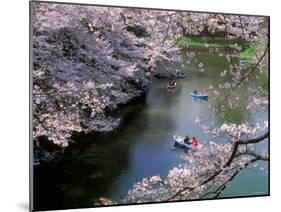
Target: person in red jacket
[(194, 142)]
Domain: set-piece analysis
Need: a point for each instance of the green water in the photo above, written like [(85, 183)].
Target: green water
[(107, 167)]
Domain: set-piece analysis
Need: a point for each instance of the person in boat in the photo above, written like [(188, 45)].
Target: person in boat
[(195, 91), (172, 83), (194, 142), (187, 140), (203, 91)]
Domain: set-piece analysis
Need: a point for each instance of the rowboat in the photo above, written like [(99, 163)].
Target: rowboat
[(169, 86), (242, 62), (199, 96), (179, 75), (179, 141)]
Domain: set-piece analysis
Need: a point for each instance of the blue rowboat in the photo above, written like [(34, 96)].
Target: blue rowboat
[(179, 75), (199, 96), (242, 62), (179, 142)]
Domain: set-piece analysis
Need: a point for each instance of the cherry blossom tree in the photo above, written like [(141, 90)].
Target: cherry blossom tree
[(84, 63), (87, 60)]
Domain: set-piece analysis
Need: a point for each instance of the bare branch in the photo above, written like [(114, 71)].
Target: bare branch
[(254, 140), (240, 142)]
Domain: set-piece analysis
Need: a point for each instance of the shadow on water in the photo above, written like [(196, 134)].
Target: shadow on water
[(96, 165), (87, 167)]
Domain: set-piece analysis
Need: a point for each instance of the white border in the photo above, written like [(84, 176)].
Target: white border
[(14, 87)]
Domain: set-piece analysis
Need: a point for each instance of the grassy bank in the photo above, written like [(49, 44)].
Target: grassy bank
[(248, 53), (219, 42)]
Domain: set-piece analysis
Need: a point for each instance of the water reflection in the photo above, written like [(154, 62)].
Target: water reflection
[(200, 99)]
